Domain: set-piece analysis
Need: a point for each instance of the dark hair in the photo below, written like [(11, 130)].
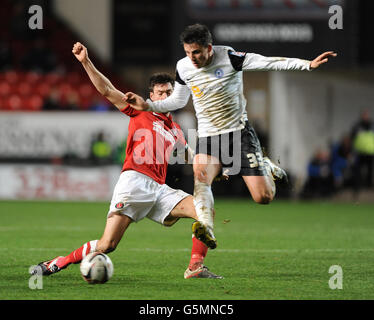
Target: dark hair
[(196, 33), (160, 78)]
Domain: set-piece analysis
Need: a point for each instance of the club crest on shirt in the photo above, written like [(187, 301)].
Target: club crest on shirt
[(119, 205), (218, 73)]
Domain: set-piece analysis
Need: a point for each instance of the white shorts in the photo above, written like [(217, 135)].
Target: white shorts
[(138, 196)]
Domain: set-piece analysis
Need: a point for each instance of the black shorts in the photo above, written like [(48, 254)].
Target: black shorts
[(239, 152)]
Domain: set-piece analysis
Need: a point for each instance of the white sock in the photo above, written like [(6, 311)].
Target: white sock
[(93, 244), (204, 203)]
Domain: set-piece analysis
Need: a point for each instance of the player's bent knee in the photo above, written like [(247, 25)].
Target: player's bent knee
[(263, 198)]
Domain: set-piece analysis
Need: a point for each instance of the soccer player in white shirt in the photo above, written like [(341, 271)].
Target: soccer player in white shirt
[(226, 141)]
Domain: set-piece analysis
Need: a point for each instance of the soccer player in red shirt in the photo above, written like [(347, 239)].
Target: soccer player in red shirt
[(141, 190)]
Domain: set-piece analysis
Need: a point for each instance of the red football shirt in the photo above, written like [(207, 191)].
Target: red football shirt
[(150, 141)]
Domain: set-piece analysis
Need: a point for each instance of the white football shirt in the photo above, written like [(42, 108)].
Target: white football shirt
[(217, 89)]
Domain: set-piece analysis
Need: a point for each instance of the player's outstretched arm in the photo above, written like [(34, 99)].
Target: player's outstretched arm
[(321, 59), (101, 83), (253, 61)]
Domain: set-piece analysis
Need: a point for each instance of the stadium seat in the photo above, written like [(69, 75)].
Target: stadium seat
[(73, 78), (33, 103), (24, 88), (52, 78), (13, 103), (11, 77), (33, 78), (18, 84), (86, 90), (43, 89), (5, 89)]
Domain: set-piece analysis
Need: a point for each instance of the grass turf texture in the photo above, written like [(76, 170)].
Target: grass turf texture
[(280, 251)]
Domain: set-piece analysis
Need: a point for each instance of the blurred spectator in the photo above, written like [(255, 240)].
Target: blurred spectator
[(320, 180), (52, 102), (342, 160), (40, 58), (100, 105), (101, 150), (5, 57), (72, 102), (119, 154), (363, 146)]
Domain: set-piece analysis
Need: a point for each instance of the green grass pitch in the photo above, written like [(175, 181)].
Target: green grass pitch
[(280, 251)]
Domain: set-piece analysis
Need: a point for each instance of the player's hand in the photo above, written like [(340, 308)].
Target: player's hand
[(135, 101), (80, 52), (323, 58)]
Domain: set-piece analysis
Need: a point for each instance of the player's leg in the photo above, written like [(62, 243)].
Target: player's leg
[(115, 227), (261, 188), (181, 205), (186, 209), (258, 172), (206, 168), (183, 209)]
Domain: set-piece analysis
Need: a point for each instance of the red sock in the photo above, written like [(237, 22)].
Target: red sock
[(77, 255), (198, 253)]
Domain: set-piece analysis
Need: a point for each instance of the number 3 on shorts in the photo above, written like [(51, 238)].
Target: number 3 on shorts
[(255, 159)]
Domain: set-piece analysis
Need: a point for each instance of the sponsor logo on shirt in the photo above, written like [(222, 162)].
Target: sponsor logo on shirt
[(237, 53), (167, 135)]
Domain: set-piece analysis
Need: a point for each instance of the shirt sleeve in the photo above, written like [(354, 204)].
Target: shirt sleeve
[(255, 61), (236, 59), (130, 111), (177, 100)]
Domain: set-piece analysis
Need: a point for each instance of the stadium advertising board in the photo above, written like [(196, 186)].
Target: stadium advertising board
[(54, 134), (46, 182), (290, 28)]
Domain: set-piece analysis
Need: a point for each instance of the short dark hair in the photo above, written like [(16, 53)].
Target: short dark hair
[(196, 33), (160, 78)]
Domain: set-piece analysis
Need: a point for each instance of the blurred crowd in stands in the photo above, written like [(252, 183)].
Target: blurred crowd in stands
[(37, 69), (349, 163)]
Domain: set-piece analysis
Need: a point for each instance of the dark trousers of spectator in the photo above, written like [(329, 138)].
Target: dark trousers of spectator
[(364, 171), (318, 187)]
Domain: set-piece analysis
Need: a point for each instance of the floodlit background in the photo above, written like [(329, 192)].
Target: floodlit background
[(60, 140)]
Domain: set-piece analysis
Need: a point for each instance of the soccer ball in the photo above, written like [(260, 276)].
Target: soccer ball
[(96, 267)]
